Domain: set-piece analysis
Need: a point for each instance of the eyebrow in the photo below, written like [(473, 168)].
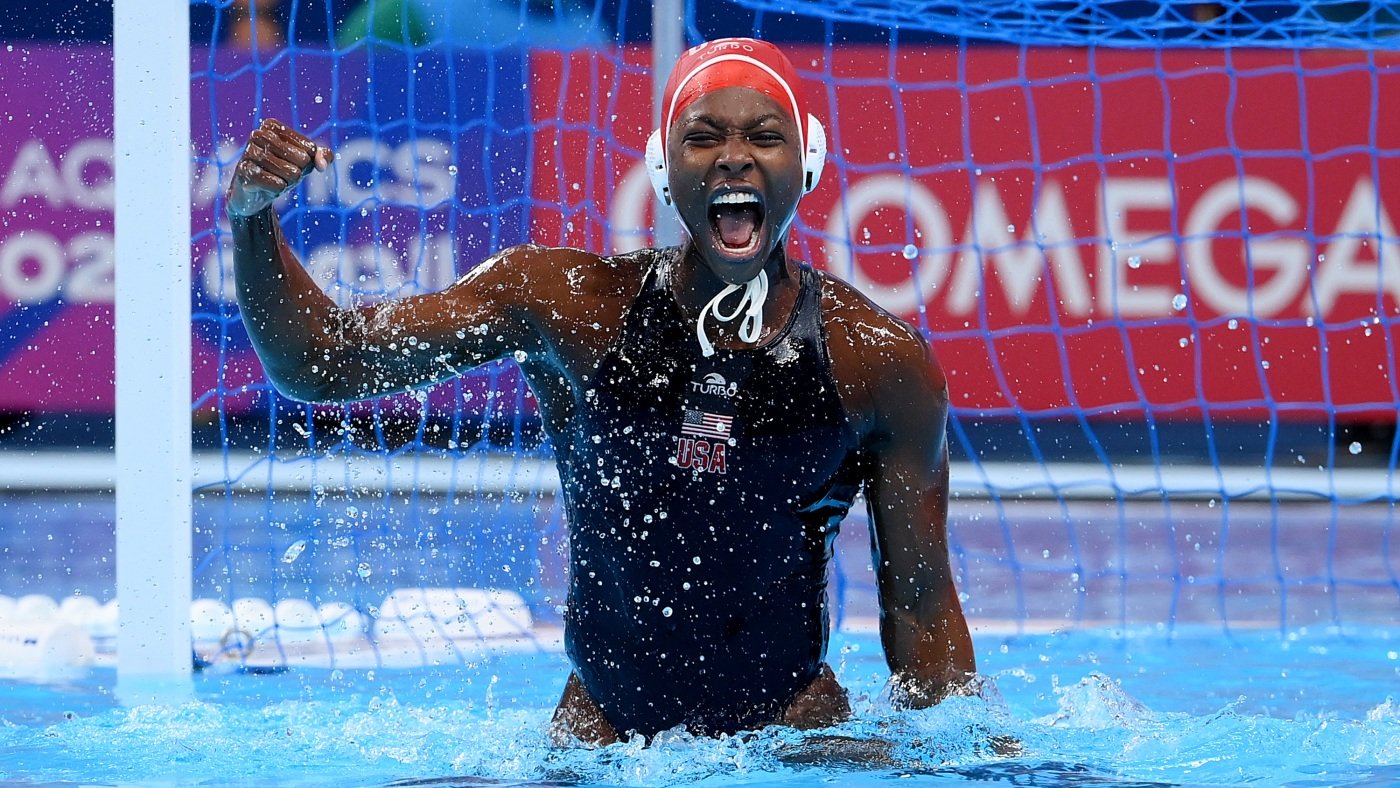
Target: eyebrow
[(710, 120)]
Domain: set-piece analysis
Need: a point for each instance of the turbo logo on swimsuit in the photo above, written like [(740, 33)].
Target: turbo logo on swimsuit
[(714, 384)]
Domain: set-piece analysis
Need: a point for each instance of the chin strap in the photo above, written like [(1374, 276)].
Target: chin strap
[(750, 306)]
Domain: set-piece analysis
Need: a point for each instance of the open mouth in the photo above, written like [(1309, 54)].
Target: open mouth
[(735, 219)]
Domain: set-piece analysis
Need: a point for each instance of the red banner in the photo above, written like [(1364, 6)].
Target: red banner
[(1182, 231), (1113, 231)]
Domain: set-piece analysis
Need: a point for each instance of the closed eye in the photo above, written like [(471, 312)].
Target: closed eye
[(701, 138)]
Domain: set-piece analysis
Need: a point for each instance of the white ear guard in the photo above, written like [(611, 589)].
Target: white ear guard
[(813, 159), (656, 168)]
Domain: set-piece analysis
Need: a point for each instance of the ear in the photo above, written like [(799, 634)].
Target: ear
[(656, 167), (814, 157)]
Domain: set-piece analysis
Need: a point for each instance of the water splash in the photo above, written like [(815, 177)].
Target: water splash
[(1052, 710)]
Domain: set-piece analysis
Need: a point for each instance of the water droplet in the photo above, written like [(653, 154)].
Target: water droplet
[(297, 547), (1233, 324), (1135, 262), (1011, 228), (910, 251), (452, 170), (1179, 302), (1183, 342), (1355, 447), (666, 611), (364, 571), (319, 98)]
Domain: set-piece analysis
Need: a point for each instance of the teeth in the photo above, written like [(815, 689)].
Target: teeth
[(734, 198)]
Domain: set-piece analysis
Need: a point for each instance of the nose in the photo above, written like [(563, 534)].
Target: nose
[(735, 158)]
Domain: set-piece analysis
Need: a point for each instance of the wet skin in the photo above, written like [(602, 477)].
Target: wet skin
[(733, 140), (564, 308)]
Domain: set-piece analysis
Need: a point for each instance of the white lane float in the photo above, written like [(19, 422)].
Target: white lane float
[(36, 644)]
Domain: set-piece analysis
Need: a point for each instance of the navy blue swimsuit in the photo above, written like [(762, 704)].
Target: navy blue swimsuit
[(703, 496)]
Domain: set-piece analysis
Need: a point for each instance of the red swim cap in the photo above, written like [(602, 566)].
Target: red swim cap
[(729, 63)]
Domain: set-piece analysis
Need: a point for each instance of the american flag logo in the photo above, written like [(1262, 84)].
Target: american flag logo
[(701, 424)]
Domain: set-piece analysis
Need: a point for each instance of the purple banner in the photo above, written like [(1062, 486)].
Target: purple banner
[(56, 200), (412, 202)]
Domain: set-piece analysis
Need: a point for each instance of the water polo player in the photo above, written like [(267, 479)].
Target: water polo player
[(713, 408)]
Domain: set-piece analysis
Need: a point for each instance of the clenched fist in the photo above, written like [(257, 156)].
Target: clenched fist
[(275, 159)]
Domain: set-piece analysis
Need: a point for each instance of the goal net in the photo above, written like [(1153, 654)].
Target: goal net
[(1153, 245)]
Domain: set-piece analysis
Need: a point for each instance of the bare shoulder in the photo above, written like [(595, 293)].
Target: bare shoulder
[(551, 268), (546, 283), (882, 363), (856, 325), (573, 301)]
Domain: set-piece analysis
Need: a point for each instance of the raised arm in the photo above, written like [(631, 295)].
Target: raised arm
[(316, 351), (926, 640)]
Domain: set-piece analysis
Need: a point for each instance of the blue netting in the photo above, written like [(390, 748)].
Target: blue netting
[(1163, 278), (1126, 23)]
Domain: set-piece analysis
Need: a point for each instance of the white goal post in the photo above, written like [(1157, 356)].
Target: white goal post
[(151, 133)]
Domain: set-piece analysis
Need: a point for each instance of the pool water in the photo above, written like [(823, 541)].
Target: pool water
[(1146, 706), (1278, 662)]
